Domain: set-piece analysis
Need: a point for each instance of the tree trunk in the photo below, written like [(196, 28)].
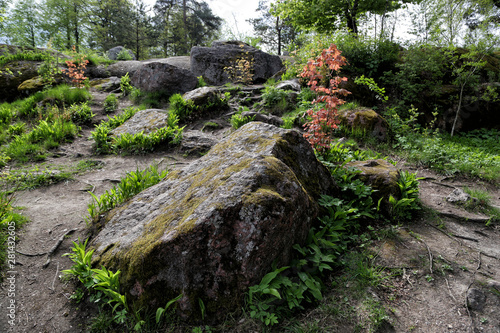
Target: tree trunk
[(351, 19), (278, 29), (76, 31)]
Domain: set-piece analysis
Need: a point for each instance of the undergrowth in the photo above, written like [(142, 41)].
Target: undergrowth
[(10, 226), (137, 143), (133, 183)]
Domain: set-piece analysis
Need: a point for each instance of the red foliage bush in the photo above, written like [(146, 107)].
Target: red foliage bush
[(323, 81), (76, 71)]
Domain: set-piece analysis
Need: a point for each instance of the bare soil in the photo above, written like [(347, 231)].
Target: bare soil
[(450, 259)]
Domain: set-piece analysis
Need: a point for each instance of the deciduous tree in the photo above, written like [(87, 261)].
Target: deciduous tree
[(22, 26), (329, 15), (273, 31)]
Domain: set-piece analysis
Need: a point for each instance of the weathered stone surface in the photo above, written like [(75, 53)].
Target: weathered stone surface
[(476, 299), (458, 196), (157, 77), (113, 53), (210, 62), (32, 85), (146, 121), (107, 84), (121, 68), (365, 120), (257, 116), (203, 95), (196, 142), (214, 228), (13, 74), (289, 85), (381, 175)]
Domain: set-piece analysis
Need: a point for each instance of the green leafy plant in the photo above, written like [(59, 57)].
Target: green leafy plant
[(102, 284), (124, 54), (409, 202), (10, 225), (125, 85), (201, 82), (49, 69), (28, 179), (320, 74), (181, 107), (34, 144), (101, 133), (133, 183), (139, 143), (110, 103), (373, 86), (81, 113), (237, 120), (289, 288), (275, 100), (160, 312)]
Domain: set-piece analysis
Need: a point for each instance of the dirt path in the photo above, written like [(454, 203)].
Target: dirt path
[(465, 256)]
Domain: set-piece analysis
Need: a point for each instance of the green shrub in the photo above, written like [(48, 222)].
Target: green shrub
[(181, 107), (6, 113), (10, 226), (110, 103), (137, 143), (62, 95), (124, 55), (201, 82), (237, 120), (275, 100), (81, 113), (404, 207), (365, 55), (96, 59), (140, 143), (291, 288), (32, 146), (22, 56), (125, 85), (133, 183), (418, 75)]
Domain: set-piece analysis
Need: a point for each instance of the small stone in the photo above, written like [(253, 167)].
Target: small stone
[(458, 196), (476, 299)]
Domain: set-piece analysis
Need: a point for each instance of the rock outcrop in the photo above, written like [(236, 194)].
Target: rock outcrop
[(214, 63), (121, 68), (13, 74), (162, 77), (115, 51), (145, 121), (382, 176), (365, 121), (214, 228)]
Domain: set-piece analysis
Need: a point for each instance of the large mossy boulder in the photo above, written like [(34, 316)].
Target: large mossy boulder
[(226, 62), (214, 228), (13, 74), (163, 77), (365, 122)]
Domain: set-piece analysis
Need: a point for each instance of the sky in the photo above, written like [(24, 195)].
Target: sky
[(234, 12)]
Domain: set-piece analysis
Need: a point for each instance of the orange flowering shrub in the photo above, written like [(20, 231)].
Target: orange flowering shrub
[(323, 81), (76, 71)]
